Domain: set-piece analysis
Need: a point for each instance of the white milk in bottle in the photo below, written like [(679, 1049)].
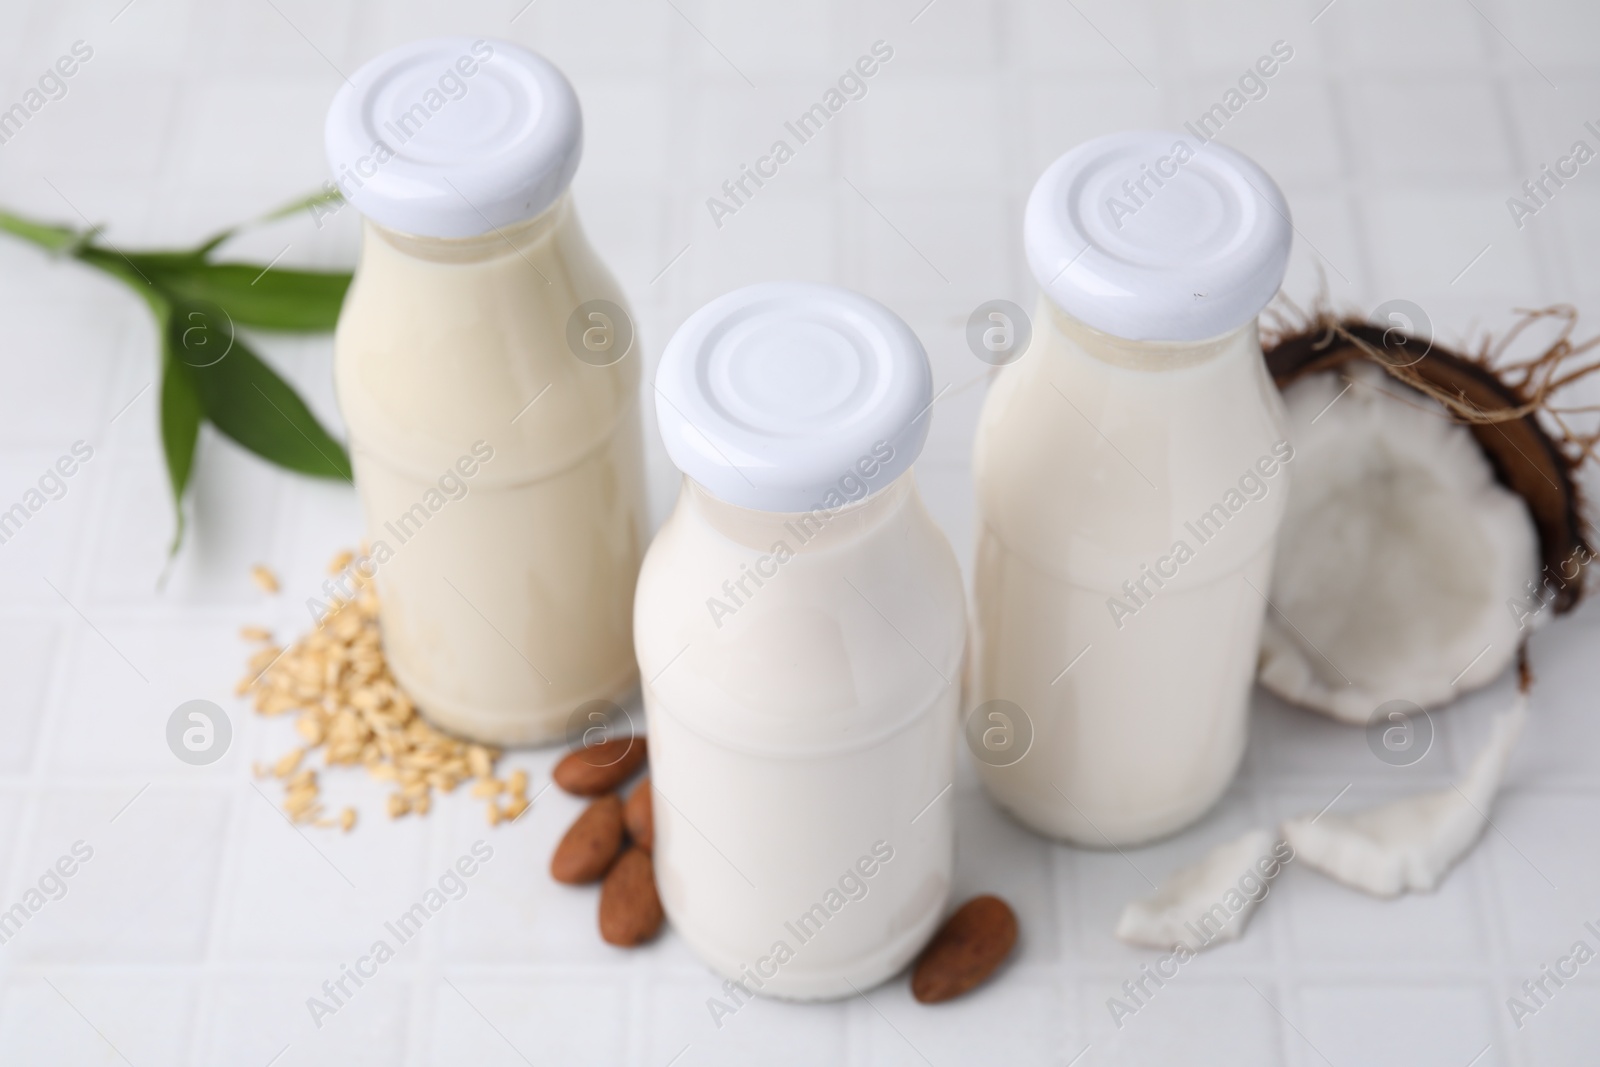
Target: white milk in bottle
[(1131, 473), (801, 630), (486, 368)]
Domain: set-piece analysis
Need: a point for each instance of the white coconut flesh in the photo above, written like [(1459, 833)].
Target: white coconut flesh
[(1410, 844), (1401, 561), (1206, 903)]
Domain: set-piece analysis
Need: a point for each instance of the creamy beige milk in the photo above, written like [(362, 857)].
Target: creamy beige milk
[(500, 475), (802, 744), (1129, 494)]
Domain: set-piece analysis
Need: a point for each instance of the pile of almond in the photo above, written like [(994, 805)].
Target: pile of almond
[(612, 839), (611, 842)]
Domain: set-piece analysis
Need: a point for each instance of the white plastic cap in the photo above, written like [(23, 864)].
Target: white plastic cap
[(1157, 236), (454, 136), (789, 396)]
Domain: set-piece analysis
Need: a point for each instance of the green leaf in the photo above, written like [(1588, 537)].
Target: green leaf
[(107, 257), (274, 298), (207, 372), (271, 298), (304, 203), (127, 269), (53, 238), (258, 295), (180, 426), (246, 399)]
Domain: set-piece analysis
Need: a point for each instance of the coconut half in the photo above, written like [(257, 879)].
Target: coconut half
[(1427, 515), (1398, 555)]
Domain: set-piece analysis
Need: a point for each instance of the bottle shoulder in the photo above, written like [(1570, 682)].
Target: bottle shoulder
[(1083, 466), (793, 640), (794, 560), (428, 354)]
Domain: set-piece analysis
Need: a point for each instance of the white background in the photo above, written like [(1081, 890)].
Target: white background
[(203, 922)]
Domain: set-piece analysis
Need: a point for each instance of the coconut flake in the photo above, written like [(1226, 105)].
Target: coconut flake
[(1410, 844), (1401, 559), (1205, 903)]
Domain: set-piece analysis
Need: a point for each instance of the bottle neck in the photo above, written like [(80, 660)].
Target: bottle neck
[(1145, 355), (827, 525), (514, 239)]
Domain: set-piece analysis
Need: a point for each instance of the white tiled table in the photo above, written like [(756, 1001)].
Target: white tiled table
[(202, 923)]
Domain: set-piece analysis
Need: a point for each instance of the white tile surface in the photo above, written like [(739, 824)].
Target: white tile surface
[(1423, 1025), (558, 1020), (1230, 1021), (1438, 129), (204, 922), (140, 1017)]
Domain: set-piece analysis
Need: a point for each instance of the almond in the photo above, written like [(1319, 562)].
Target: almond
[(965, 951), (590, 846), (589, 772), (630, 909), (639, 817)]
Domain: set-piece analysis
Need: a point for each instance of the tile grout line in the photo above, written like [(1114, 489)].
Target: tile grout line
[(1547, 251), (1019, 86), (222, 895), (1279, 927), (427, 985)]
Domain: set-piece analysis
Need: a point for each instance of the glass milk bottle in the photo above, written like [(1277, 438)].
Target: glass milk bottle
[(1131, 474), (486, 370), (801, 631)]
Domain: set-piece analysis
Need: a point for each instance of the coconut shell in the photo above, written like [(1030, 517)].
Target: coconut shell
[(1524, 457)]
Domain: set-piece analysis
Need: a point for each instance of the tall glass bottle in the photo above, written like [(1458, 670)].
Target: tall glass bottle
[(1131, 473), (486, 369), (801, 629)]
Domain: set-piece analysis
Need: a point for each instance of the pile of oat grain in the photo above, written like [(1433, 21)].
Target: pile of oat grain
[(337, 684)]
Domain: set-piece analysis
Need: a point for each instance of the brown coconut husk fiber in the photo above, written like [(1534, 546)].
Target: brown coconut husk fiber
[(1511, 407)]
